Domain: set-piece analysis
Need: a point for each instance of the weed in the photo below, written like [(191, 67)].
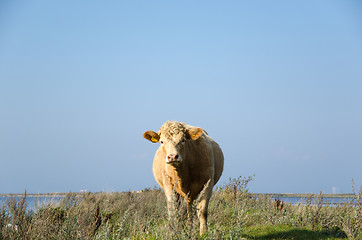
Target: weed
[(234, 213)]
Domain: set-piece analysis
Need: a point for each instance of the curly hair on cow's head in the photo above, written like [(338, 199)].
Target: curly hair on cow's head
[(171, 128)]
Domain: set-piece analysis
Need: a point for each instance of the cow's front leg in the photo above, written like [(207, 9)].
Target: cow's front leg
[(170, 203), (202, 206)]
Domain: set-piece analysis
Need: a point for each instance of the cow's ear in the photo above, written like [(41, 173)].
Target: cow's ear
[(195, 133), (151, 136)]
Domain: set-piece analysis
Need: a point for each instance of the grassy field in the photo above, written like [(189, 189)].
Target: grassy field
[(233, 214)]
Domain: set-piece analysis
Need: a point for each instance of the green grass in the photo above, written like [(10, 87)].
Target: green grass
[(286, 232), (233, 214)]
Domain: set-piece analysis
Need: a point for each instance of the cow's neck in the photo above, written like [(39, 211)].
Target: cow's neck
[(178, 177)]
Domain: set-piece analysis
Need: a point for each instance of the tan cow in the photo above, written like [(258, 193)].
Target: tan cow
[(189, 162)]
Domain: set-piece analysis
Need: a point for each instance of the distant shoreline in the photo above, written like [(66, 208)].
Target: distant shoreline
[(270, 195), (306, 195), (33, 194)]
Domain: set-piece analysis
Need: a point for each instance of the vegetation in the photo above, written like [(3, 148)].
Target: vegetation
[(234, 213)]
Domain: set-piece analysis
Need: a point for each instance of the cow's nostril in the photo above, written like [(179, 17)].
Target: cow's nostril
[(172, 157)]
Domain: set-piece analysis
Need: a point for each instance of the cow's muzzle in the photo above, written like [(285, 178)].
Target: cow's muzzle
[(173, 159)]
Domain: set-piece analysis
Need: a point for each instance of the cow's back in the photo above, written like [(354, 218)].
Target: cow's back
[(218, 161)]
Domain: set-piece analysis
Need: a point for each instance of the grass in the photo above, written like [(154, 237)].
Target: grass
[(286, 232), (233, 214)]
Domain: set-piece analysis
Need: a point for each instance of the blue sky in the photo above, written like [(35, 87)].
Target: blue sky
[(277, 83)]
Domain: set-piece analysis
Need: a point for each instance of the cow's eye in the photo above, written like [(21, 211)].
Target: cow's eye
[(161, 142)]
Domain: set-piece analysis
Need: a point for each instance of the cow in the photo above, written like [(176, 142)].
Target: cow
[(188, 163)]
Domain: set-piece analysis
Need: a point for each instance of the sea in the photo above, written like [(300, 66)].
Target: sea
[(34, 203), (333, 201)]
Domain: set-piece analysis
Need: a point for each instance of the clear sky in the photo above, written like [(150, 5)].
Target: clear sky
[(278, 84)]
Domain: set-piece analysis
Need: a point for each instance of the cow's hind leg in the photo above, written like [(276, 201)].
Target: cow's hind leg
[(179, 206), (189, 210)]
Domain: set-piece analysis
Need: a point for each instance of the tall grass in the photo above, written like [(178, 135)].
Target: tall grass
[(234, 213)]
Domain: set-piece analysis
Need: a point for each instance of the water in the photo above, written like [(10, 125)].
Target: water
[(34, 202), (313, 200)]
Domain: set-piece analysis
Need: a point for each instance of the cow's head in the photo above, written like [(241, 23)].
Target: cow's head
[(176, 138)]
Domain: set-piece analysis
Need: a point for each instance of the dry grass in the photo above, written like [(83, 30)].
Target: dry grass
[(234, 213)]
